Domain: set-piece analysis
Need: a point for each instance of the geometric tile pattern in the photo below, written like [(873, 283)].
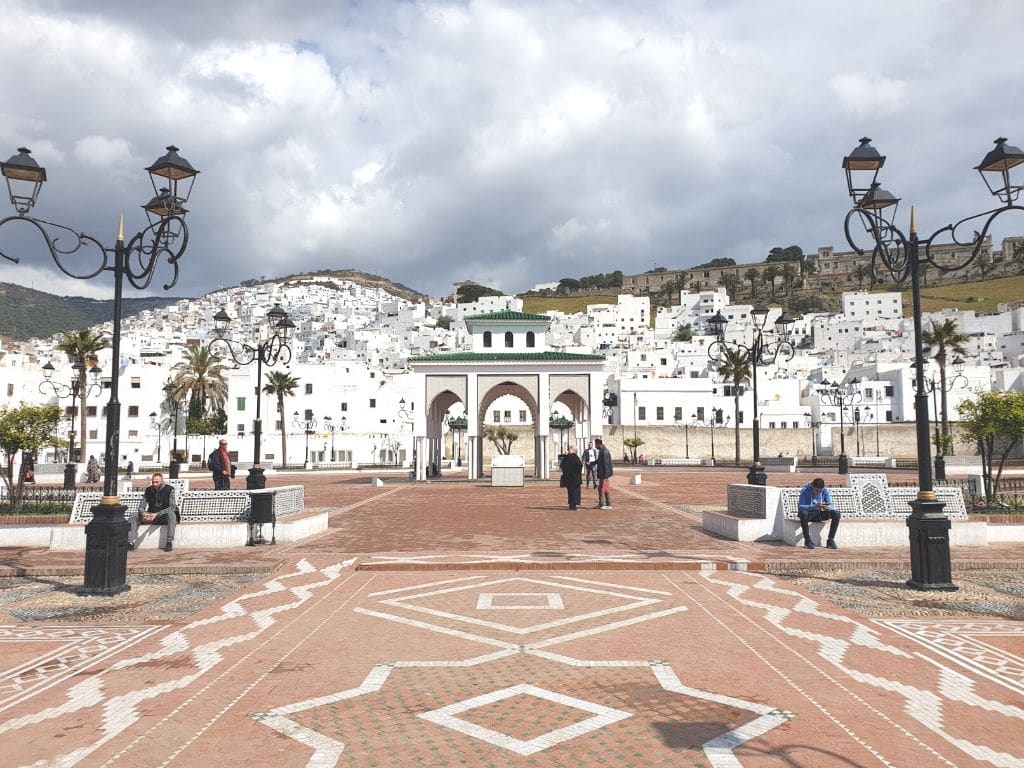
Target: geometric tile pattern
[(191, 659), (871, 502), (931, 692), (201, 506), (582, 599)]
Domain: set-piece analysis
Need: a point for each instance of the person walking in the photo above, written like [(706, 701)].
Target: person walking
[(589, 460), (603, 470), (92, 470), (572, 476)]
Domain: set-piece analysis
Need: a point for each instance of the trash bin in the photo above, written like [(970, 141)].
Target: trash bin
[(261, 512)]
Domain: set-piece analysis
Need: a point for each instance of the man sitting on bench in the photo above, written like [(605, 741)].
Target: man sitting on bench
[(815, 506), (159, 506)]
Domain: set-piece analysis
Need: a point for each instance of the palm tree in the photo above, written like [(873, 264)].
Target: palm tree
[(735, 368), (201, 374), (81, 348), (752, 276), (789, 277), (862, 273), (731, 282), (281, 384), (945, 337), (769, 275)]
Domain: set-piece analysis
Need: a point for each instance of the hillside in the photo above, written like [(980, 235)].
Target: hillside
[(27, 313), (980, 296), (353, 276), (567, 304)]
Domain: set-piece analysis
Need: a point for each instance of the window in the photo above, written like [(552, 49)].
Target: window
[(240, 429), (133, 434), (487, 338), (136, 382), (133, 410), (888, 415), (641, 413), (739, 417), (531, 339), (508, 417), (344, 407), (373, 402), (309, 414), (93, 434), (700, 413), (309, 388), (509, 339), (869, 393), (496, 417), (10, 390), (796, 425), (677, 414), (277, 426), (888, 390), (70, 411), (522, 417), (659, 413), (90, 410)]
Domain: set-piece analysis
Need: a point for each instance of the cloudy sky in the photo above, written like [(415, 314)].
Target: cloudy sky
[(505, 142)]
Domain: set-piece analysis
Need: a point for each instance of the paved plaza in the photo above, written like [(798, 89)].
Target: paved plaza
[(454, 624)]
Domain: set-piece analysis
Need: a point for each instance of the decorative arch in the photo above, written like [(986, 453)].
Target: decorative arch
[(507, 388)]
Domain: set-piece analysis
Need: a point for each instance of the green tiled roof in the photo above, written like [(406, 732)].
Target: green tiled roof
[(508, 314), (506, 357)]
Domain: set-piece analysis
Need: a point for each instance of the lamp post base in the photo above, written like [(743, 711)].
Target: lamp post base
[(106, 551), (930, 565), (70, 476), (940, 467), (173, 469), (756, 474), (255, 480), (844, 464)]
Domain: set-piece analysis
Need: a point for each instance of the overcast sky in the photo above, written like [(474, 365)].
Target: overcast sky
[(504, 142)]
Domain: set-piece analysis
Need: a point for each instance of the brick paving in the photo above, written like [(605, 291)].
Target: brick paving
[(452, 624)]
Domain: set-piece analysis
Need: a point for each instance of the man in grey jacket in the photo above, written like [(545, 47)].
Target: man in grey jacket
[(603, 470)]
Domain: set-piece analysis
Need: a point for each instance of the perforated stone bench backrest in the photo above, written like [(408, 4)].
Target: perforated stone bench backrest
[(872, 501), (201, 506)]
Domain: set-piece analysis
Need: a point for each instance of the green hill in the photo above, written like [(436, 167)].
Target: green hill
[(980, 295), (27, 313)]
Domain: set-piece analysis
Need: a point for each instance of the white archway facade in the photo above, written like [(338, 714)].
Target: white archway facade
[(508, 357)]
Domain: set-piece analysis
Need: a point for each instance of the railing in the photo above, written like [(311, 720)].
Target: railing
[(48, 499)]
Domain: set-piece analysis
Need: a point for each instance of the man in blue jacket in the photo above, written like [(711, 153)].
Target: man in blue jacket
[(815, 506)]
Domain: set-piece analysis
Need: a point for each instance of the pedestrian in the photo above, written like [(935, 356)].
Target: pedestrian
[(159, 506), (815, 506), (603, 470), (92, 469), (129, 469), (572, 476), (220, 465), (589, 461)]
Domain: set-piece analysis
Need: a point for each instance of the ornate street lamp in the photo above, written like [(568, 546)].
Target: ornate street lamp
[(458, 426), (72, 391), (841, 396), (330, 426), (686, 431), (270, 347), (899, 255), (137, 259), (933, 387), (174, 466), (761, 352), (561, 425), (308, 425)]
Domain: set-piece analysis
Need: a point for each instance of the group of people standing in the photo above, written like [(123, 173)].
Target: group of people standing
[(594, 468)]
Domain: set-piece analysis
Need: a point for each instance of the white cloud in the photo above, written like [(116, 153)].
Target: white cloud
[(861, 95)]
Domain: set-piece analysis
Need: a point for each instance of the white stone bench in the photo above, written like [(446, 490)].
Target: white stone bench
[(779, 463), (873, 514), (207, 519), (680, 462)]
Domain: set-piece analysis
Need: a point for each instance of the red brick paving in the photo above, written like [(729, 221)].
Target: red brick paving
[(687, 656)]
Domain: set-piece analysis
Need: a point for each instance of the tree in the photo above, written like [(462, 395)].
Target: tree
[(445, 322), (735, 369), (281, 384), (984, 264), (863, 272), (995, 423), (731, 282), (945, 337), (502, 437), (632, 443), (789, 277), (568, 285), (201, 373), (790, 253), (25, 428), (715, 263), (752, 276), (769, 275), (683, 333), (470, 292), (81, 348)]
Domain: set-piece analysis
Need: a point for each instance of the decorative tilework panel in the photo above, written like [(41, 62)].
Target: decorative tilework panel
[(861, 480), (201, 506), (747, 500), (871, 504)]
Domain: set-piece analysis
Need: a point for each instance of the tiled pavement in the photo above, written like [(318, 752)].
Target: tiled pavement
[(440, 643)]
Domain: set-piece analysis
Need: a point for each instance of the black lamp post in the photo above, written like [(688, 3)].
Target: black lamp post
[(165, 239), (174, 465), (271, 346), (760, 352), (842, 397), (308, 425), (331, 427), (856, 428), (875, 209), (933, 387), (458, 426), (686, 432), (72, 390), (814, 441)]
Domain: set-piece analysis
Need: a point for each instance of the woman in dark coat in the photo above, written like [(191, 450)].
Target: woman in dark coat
[(572, 476)]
